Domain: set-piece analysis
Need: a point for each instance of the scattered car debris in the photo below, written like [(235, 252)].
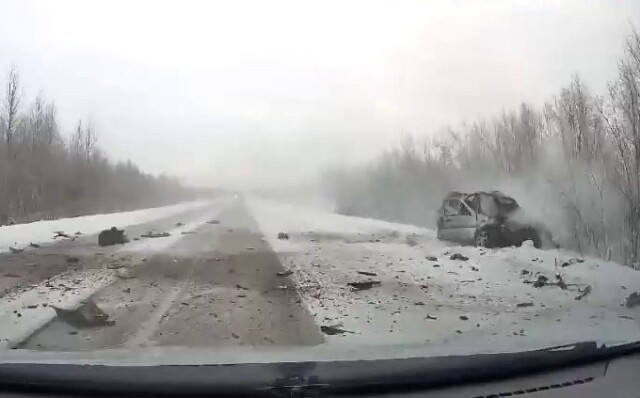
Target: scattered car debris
[(571, 262), (152, 234), (541, 281), (363, 285), (524, 272), (431, 258), (522, 305), (60, 234), (283, 236), (560, 282), (284, 273), (333, 330), (583, 292), (436, 265), (73, 260), (32, 306), (458, 256), (419, 303), (15, 250), (632, 300), (87, 315), (464, 317), (35, 245), (179, 224), (367, 273), (474, 269), (112, 236), (431, 317), (213, 222)]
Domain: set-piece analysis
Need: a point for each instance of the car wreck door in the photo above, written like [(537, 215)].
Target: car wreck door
[(450, 210), (464, 224)]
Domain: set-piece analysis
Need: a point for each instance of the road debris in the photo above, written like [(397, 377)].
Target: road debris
[(522, 305), (87, 315), (458, 256), (524, 272), (583, 292), (363, 285), (35, 245), (152, 234), (571, 262), (112, 236), (541, 281), (419, 303), (333, 330), (436, 265), (632, 300), (464, 317), (284, 273), (367, 273), (430, 317), (431, 258), (179, 224), (188, 232), (283, 236), (474, 269), (60, 234)]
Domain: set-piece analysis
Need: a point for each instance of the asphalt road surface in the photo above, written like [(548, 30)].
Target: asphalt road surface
[(216, 286)]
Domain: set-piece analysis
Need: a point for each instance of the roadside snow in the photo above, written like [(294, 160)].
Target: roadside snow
[(21, 235), (482, 302)]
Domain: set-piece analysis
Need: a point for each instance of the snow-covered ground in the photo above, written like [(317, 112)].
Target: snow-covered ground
[(42, 231), (481, 304)]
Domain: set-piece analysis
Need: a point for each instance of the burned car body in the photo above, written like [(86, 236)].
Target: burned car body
[(488, 219)]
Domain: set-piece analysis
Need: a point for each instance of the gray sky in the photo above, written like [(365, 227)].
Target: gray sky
[(258, 92)]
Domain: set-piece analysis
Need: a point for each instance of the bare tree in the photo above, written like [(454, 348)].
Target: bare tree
[(11, 105)]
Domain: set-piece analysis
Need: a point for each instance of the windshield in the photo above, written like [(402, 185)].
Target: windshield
[(317, 177)]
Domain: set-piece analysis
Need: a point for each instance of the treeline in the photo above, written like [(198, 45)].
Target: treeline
[(45, 175), (573, 163)]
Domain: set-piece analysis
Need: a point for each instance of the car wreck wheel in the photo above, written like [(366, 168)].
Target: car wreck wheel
[(483, 238)]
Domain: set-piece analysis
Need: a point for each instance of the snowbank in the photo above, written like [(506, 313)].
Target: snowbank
[(42, 231), (481, 302)]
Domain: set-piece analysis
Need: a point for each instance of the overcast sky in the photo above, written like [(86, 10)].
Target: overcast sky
[(254, 92)]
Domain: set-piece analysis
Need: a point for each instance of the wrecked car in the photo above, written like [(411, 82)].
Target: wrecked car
[(488, 219)]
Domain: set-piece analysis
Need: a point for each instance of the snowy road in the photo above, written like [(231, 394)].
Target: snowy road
[(234, 283)]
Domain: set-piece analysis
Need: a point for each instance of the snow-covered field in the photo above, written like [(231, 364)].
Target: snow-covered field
[(42, 231), (481, 304)]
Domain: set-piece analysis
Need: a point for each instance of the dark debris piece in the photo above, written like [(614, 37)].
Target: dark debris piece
[(367, 273), (458, 256), (431, 258), (333, 330), (363, 285), (283, 236), (87, 315), (632, 300)]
